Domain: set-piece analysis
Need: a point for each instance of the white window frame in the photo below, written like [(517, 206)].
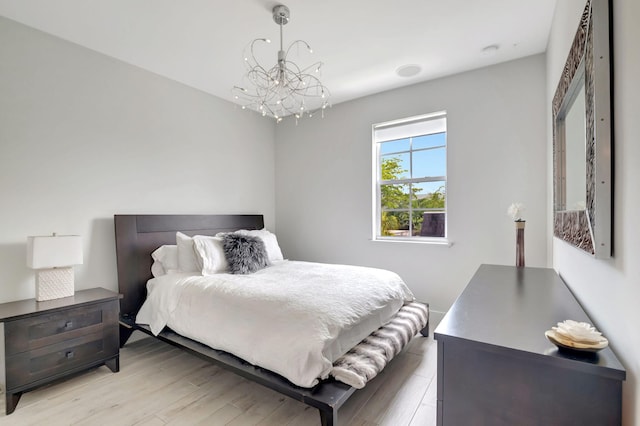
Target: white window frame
[(401, 129)]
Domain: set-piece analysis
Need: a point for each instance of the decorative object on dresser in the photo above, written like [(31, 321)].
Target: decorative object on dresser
[(496, 367), (54, 256), (515, 211), (576, 336), (46, 341)]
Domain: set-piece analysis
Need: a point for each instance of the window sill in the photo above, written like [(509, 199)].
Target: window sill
[(428, 241)]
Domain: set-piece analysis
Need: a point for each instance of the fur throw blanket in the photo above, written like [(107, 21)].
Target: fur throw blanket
[(369, 357)]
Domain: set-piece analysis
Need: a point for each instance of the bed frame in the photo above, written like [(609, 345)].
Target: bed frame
[(139, 235)]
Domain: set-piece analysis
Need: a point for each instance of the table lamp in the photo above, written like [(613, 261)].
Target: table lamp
[(53, 257)]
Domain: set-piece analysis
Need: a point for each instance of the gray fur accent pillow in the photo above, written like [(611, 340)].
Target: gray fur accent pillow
[(245, 254)]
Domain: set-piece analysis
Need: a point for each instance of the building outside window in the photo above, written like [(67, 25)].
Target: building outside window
[(410, 178)]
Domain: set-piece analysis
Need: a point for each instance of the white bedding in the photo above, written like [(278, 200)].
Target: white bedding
[(293, 318)]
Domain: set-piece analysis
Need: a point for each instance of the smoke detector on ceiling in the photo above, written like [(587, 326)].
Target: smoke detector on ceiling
[(409, 70)]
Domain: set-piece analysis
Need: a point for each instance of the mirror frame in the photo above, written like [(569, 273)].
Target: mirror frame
[(589, 229)]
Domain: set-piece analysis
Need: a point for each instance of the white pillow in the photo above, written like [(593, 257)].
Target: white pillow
[(165, 260), (270, 242), (187, 259), (157, 270), (211, 252)]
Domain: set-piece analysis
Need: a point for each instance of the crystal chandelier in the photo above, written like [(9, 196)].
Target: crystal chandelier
[(285, 88)]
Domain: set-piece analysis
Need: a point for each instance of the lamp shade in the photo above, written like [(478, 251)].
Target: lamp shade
[(54, 251)]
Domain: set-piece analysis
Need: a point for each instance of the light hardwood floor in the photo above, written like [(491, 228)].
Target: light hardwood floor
[(161, 385)]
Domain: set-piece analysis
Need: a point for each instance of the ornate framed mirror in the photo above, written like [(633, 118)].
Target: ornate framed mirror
[(583, 138)]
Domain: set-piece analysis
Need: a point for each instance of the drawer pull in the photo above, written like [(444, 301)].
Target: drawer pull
[(68, 325), (69, 354)]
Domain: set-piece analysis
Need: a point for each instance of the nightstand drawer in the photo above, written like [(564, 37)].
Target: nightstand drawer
[(44, 330), (28, 367)]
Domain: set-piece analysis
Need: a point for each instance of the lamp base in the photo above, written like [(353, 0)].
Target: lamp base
[(54, 283)]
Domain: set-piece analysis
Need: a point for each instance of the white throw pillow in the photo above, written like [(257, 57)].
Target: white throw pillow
[(157, 270), (187, 259), (270, 242), (165, 260), (211, 252)]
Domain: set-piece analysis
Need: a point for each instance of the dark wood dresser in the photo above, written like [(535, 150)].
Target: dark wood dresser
[(45, 341), (496, 367)]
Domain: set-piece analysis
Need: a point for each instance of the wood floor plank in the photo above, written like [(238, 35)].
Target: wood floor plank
[(424, 415), (220, 384), (284, 414), (359, 421), (206, 407), (159, 385), (150, 421), (400, 394), (306, 417), (424, 366), (430, 396), (399, 408), (221, 416)]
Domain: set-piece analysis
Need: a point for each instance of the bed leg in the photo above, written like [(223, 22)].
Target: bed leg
[(125, 333), (328, 417), (425, 330)]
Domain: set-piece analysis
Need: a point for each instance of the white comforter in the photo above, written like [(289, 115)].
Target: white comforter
[(293, 318)]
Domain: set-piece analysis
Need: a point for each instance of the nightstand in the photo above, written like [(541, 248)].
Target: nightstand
[(46, 341)]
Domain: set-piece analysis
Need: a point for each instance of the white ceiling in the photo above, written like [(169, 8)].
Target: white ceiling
[(361, 42)]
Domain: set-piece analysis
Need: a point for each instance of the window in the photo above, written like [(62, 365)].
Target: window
[(410, 178)]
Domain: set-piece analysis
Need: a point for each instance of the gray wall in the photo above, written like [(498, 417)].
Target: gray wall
[(496, 156), (83, 137), (609, 290)]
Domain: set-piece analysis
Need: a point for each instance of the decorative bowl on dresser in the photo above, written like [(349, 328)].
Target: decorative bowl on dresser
[(496, 367), (46, 341)]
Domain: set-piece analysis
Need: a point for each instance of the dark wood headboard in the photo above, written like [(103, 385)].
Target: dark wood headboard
[(137, 236)]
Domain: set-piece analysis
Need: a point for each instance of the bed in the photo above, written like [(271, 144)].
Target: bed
[(137, 236)]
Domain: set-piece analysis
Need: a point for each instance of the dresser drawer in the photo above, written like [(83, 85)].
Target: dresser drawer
[(29, 367), (44, 330)]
